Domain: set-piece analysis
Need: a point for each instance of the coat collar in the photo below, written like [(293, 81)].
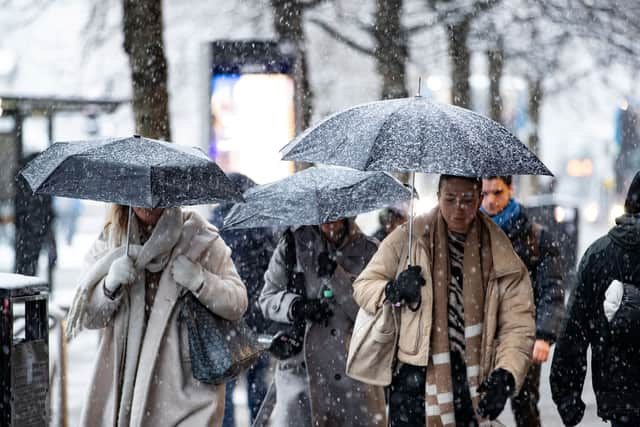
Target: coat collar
[(505, 260)]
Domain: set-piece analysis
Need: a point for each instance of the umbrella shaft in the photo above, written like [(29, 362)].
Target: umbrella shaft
[(413, 185), (128, 229)]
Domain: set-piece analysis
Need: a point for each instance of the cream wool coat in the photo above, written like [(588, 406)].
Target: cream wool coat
[(509, 313), (164, 390)]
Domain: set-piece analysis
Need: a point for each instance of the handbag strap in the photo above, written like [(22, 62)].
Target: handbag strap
[(291, 263)]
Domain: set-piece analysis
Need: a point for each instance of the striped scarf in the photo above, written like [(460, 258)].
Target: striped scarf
[(475, 275)]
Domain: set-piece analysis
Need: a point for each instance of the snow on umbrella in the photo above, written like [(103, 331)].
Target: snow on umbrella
[(316, 196), (415, 135), (131, 171)]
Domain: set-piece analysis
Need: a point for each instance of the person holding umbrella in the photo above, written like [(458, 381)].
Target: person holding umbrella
[(466, 312), (308, 285), (148, 257), (311, 387)]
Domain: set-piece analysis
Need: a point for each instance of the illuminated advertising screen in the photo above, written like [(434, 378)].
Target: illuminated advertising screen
[(251, 108)]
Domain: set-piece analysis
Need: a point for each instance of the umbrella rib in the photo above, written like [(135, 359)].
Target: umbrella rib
[(375, 140)]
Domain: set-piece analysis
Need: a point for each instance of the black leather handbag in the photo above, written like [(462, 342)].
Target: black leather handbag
[(220, 349)]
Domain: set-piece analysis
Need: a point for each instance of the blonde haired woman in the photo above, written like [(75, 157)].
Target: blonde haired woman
[(142, 375)]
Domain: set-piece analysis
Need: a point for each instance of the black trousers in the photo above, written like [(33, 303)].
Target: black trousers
[(407, 395), (525, 404)]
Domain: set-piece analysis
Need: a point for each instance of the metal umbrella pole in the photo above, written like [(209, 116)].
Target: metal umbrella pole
[(413, 185), (129, 229)]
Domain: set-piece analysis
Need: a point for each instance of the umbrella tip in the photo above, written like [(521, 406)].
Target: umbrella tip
[(419, 87), (135, 135)]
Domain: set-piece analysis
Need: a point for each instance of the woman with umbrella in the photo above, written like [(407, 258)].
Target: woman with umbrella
[(308, 284), (144, 261), (143, 374), (311, 387)]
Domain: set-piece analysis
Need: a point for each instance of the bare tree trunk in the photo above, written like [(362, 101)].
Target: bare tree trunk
[(496, 63), (287, 21), (288, 25), (142, 28), (535, 101), (459, 56), (391, 50)]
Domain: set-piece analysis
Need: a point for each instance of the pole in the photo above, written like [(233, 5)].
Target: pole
[(413, 185), (128, 229)]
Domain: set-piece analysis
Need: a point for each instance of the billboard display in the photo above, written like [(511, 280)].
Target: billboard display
[(252, 112)]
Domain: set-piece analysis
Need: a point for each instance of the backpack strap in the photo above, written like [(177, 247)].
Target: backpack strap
[(296, 279)]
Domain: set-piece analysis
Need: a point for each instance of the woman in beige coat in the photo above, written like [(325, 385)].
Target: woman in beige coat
[(495, 339), (142, 375)]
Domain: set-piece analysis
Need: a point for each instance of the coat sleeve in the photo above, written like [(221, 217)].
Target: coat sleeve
[(222, 291), (549, 291), (368, 288), (569, 366), (516, 325), (100, 309), (275, 300)]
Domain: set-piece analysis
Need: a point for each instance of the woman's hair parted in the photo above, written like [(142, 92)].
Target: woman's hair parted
[(117, 217)]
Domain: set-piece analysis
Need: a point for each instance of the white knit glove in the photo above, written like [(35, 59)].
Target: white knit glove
[(121, 272), (612, 299), (187, 273)]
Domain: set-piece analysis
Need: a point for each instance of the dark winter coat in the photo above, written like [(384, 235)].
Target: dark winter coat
[(251, 250), (615, 368), (535, 248), (312, 388)]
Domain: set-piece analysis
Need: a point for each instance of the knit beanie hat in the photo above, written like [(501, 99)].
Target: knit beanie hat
[(632, 203)]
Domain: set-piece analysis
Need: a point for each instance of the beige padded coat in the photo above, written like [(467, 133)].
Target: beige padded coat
[(509, 327)]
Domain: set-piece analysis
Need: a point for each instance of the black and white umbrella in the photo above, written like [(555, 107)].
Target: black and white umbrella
[(131, 171), (415, 135), (316, 196)]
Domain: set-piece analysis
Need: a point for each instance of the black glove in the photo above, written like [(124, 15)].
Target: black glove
[(406, 287), (326, 264), (314, 310), (571, 411), (286, 344), (496, 390)]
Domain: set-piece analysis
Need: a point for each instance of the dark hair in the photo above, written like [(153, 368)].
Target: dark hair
[(507, 179), (473, 179), (389, 214)]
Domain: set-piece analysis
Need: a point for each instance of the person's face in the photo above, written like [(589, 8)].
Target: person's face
[(389, 226), (148, 216), (459, 202), (495, 195), (332, 231)]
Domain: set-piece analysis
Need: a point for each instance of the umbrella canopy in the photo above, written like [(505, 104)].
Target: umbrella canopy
[(316, 196), (132, 171), (415, 135)]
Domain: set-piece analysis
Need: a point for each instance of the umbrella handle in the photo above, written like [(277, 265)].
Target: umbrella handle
[(128, 230)]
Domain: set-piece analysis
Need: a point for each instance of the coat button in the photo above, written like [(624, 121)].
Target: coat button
[(334, 332), (274, 307), (337, 377)]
